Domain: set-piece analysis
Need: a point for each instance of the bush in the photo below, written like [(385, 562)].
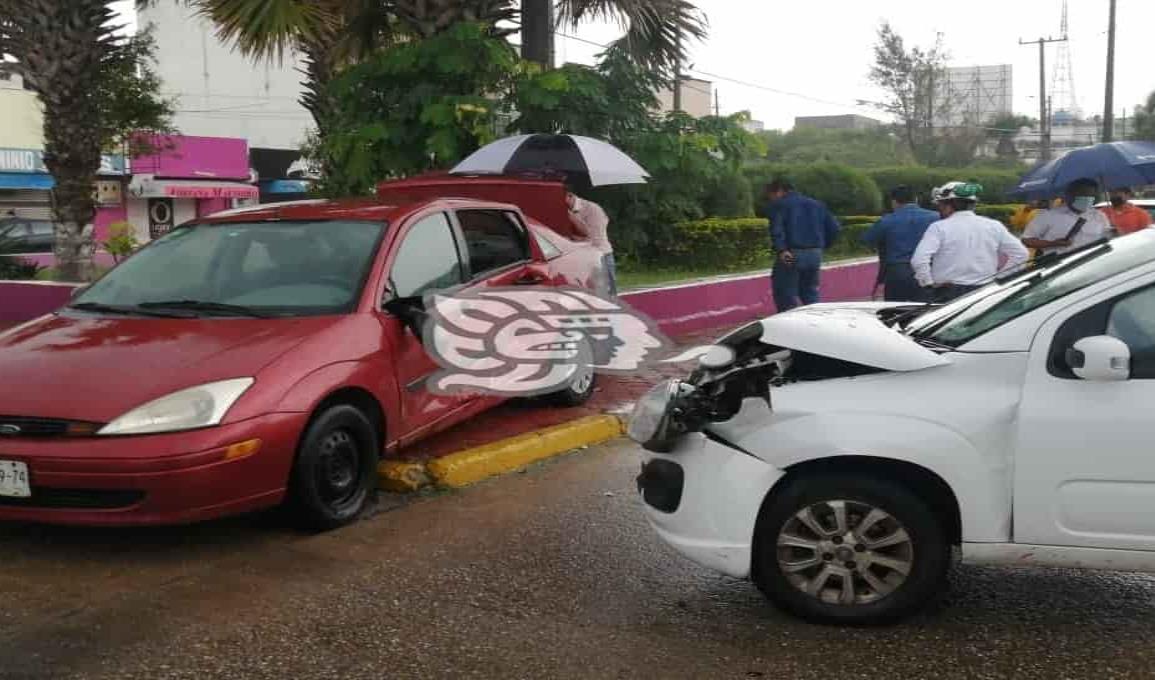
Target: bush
[(18, 269), (843, 189), (730, 197), (741, 244), (121, 241), (996, 183)]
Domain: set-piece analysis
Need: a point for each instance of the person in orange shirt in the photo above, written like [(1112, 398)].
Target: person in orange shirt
[(1125, 216)]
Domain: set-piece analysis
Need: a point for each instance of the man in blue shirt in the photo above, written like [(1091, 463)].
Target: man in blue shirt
[(896, 236), (800, 229)]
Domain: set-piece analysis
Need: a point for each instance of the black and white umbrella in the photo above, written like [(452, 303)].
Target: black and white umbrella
[(602, 163)]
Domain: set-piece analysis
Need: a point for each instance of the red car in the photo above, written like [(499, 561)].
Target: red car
[(250, 358)]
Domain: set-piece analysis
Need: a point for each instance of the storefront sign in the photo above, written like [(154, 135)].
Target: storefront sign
[(32, 161), (160, 217), (148, 186), (210, 191)]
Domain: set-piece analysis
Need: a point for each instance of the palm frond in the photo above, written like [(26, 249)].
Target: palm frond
[(655, 29), (270, 28)]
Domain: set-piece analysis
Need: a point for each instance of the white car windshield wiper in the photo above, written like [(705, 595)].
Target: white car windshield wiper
[(127, 310), (207, 307)]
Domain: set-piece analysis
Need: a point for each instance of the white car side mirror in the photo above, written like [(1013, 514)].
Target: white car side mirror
[(1100, 357)]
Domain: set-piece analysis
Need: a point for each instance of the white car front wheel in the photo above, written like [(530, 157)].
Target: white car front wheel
[(850, 550)]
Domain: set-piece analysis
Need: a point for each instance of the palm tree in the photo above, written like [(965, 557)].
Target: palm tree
[(61, 48), (333, 33), (655, 29)]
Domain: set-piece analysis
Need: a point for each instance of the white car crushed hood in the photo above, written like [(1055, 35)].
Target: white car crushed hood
[(848, 333)]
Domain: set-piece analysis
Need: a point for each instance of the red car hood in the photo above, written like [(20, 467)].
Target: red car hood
[(96, 369)]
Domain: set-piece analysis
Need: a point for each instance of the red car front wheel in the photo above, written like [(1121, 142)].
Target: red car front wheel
[(334, 476)]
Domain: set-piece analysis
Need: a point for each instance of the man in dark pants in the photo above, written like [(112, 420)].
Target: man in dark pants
[(800, 229), (897, 235)]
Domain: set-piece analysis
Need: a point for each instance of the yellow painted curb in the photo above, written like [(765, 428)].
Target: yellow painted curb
[(401, 476), (473, 465)]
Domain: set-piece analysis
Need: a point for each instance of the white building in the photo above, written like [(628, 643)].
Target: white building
[(219, 92), (970, 96), (697, 97)]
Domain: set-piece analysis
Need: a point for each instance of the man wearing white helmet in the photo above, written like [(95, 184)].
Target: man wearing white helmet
[(962, 249)]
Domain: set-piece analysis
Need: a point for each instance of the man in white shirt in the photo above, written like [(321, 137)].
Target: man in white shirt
[(592, 222), (1050, 230), (962, 249)]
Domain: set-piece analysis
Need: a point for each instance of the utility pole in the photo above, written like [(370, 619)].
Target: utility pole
[(717, 104), (1044, 117), (678, 76), (1109, 104), (537, 31)]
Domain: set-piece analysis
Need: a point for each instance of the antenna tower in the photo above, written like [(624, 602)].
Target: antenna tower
[(1066, 106)]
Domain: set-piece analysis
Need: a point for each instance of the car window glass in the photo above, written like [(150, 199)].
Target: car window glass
[(42, 228), (991, 306), (427, 259), (1132, 320), (284, 268), (492, 240), (548, 249), (257, 258)]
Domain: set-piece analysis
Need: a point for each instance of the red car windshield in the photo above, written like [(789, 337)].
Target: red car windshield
[(270, 268)]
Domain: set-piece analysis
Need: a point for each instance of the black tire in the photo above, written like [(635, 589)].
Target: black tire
[(927, 553), (576, 393), (334, 477)]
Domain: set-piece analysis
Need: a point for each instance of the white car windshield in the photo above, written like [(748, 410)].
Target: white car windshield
[(993, 305), (263, 268)]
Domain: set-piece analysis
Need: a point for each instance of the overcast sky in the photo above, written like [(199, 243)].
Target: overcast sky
[(822, 49)]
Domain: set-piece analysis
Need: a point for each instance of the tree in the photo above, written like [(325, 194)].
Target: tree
[(655, 30), (879, 147), (911, 79), (415, 106), (1144, 127), (95, 86), (333, 34)]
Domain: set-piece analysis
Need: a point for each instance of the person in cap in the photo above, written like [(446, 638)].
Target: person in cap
[(1126, 217), (896, 236), (1071, 225), (963, 249)]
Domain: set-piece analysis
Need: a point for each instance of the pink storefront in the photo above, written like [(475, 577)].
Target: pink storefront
[(187, 178)]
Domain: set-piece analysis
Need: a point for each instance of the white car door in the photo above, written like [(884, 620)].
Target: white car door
[(1084, 465)]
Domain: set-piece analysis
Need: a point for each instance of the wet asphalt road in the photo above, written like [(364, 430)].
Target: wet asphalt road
[(547, 574)]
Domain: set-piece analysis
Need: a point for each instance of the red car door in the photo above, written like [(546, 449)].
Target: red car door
[(498, 250), (425, 259)]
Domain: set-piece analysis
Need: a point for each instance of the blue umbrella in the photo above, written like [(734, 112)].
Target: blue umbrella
[(1114, 165)]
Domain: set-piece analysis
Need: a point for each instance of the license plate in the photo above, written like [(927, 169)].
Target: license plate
[(14, 479)]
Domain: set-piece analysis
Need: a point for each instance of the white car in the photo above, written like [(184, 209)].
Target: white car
[(1014, 423)]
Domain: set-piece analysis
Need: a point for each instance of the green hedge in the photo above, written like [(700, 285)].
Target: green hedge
[(850, 191), (740, 244), (843, 189), (996, 183)]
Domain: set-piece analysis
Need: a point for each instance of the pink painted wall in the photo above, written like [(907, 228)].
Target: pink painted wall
[(107, 216), (208, 206), (24, 300), (181, 156), (729, 302)]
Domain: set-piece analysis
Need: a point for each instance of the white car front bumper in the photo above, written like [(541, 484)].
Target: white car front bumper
[(721, 492)]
